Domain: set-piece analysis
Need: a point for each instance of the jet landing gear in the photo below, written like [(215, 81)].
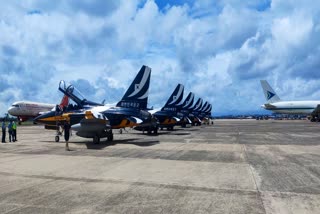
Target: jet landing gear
[(108, 134), (153, 129), (315, 119), (57, 138), (59, 133), (96, 139), (170, 128)]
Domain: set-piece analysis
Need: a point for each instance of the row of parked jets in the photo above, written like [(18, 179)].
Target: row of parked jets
[(97, 120)]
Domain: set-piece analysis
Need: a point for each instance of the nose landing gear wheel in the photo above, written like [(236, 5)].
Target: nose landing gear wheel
[(110, 137), (57, 138), (155, 131), (96, 139)]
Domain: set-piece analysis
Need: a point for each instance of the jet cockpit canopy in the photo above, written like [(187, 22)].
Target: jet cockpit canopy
[(74, 94)]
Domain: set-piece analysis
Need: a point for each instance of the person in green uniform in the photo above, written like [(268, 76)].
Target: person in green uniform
[(14, 131)]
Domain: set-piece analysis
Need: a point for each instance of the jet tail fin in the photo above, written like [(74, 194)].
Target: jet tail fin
[(208, 111), (137, 94), (204, 107), (187, 103), (198, 105), (175, 98), (269, 93)]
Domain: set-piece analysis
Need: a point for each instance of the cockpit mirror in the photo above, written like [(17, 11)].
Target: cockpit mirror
[(62, 85)]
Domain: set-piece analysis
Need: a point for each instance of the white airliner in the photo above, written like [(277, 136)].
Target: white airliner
[(27, 109), (288, 107)]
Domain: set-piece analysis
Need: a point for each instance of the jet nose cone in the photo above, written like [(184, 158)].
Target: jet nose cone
[(263, 106), (46, 117), (37, 119), (76, 127)]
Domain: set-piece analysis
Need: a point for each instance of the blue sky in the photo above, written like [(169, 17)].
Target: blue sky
[(217, 49)]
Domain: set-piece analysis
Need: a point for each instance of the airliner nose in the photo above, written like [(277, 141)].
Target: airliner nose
[(263, 106), (10, 110)]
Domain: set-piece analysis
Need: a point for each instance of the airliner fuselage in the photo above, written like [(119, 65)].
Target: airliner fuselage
[(292, 107), (26, 109)]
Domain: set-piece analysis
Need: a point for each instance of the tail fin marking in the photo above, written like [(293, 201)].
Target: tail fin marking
[(269, 93), (137, 94), (176, 95)]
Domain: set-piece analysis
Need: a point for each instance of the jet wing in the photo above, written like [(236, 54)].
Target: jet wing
[(128, 122), (198, 119), (92, 122), (135, 120), (42, 112), (176, 119)]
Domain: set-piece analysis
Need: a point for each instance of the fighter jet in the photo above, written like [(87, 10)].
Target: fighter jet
[(195, 120), (206, 112), (200, 112), (167, 115), (67, 112), (184, 110), (93, 120), (205, 115)]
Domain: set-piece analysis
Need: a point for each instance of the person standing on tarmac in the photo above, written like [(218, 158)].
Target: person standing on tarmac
[(14, 131), (10, 131), (67, 134), (3, 132)]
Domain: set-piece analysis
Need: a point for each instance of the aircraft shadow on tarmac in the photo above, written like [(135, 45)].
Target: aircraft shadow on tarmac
[(180, 134), (133, 141), (172, 132), (192, 130)]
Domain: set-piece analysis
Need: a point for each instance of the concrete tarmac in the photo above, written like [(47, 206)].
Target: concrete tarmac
[(234, 166)]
